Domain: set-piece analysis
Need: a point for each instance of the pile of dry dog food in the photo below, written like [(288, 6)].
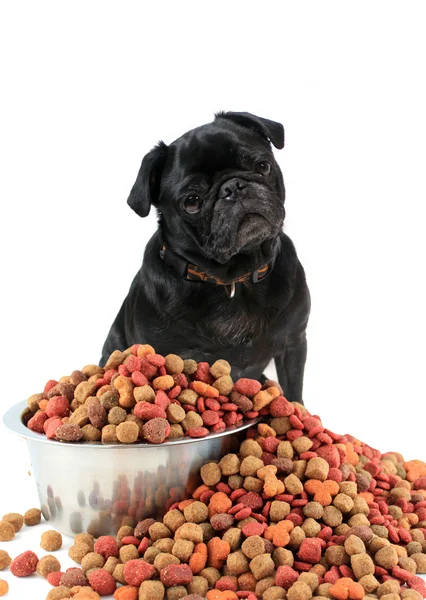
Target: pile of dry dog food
[(298, 513), (143, 396)]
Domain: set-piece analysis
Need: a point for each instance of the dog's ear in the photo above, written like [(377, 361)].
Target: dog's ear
[(273, 131), (146, 188)]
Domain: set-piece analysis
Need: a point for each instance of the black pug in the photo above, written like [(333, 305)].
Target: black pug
[(219, 278)]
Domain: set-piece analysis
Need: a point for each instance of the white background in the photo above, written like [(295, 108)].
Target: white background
[(89, 87)]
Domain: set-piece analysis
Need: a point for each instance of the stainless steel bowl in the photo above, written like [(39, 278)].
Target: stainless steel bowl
[(100, 487)]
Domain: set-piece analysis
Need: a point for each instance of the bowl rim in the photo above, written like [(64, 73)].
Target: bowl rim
[(12, 420)]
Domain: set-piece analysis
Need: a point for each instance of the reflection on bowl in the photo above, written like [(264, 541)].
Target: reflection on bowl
[(100, 487)]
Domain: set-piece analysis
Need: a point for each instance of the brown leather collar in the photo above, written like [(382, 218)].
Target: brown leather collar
[(194, 273)]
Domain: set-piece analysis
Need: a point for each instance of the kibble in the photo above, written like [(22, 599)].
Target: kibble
[(51, 540)]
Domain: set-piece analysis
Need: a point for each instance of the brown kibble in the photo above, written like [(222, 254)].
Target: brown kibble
[(196, 512), (253, 546), (176, 593), (313, 510), (7, 531), (15, 519), (275, 592), (211, 574), (332, 516), (182, 549), (250, 448), (128, 552), (175, 413), (310, 527), (176, 432), (343, 502), (151, 590), (164, 545), (282, 556), (144, 393), (118, 574), (369, 583), (263, 585), (192, 419), (302, 444), (408, 564), (158, 531), (391, 586), (117, 415), (189, 366), (293, 485), (78, 551), (407, 594), (48, 564), (317, 468), (92, 560), (91, 433), (230, 465), (237, 563), (190, 531), (188, 397), (199, 586), (386, 557), (299, 591), (336, 556), (110, 564), (310, 579), (32, 517), (127, 432), (354, 545), (279, 510), (58, 593), (51, 540), (420, 560), (173, 519), (109, 435), (224, 385), (174, 364), (233, 536), (220, 368), (262, 566), (211, 473), (5, 560), (164, 559), (250, 465), (362, 564)]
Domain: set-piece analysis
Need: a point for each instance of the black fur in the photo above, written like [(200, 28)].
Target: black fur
[(238, 230)]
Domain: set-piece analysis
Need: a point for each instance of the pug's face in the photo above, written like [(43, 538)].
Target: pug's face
[(218, 188)]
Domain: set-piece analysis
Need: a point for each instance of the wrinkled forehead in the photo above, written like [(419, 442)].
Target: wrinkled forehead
[(209, 150)]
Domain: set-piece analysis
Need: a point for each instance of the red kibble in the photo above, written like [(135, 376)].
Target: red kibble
[(102, 582), (49, 385), (230, 418), (176, 575), (162, 400), (210, 418), (107, 546), (197, 432), (212, 404), (203, 373), (25, 564), (156, 359), (220, 426), (281, 407), (285, 576), (226, 583), (54, 578), (310, 550), (37, 421), (243, 513), (247, 387), (139, 379), (147, 411), (137, 570), (174, 392), (253, 529), (124, 371), (58, 406), (129, 539)]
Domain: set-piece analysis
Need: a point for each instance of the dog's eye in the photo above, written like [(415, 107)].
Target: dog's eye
[(192, 204), (263, 167)]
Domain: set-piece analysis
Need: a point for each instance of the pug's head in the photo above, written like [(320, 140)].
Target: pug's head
[(218, 189)]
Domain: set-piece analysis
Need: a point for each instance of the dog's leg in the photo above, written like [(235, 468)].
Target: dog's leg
[(290, 367)]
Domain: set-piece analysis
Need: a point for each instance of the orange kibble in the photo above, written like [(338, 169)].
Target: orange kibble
[(126, 592), (185, 503), (219, 503), (351, 456), (415, 469), (229, 595), (200, 490), (281, 533), (345, 588), (204, 389), (215, 595), (322, 491), (201, 548), (43, 403), (197, 562), (368, 497), (218, 551)]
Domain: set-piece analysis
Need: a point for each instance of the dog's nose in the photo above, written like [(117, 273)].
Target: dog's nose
[(230, 188)]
